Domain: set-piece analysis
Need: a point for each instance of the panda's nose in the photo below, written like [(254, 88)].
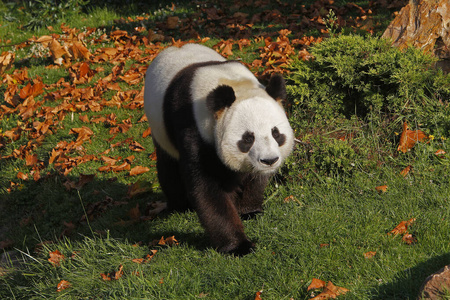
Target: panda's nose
[(269, 161)]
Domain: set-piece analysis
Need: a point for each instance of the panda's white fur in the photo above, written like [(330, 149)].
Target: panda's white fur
[(253, 110), (219, 135)]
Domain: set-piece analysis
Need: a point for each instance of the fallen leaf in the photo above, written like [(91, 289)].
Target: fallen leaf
[(113, 275), (258, 295), (316, 284), (439, 153), (138, 170), (59, 53), (370, 254), (402, 227), (381, 189), (56, 257), (62, 285), (170, 241), (330, 292), (409, 138), (147, 132), (405, 171), (6, 61), (137, 188), (145, 259), (22, 176), (409, 239)]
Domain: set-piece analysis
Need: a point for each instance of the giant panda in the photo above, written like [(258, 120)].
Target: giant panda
[(219, 135)]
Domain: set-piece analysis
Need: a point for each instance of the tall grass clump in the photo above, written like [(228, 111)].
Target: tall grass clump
[(359, 90)]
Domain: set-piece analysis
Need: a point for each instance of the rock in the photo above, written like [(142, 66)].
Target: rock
[(436, 286), (424, 24)]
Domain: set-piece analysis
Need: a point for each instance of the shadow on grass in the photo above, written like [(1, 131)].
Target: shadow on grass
[(408, 282), (57, 207)]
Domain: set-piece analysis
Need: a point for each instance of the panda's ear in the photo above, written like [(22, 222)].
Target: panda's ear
[(220, 98), (277, 87)]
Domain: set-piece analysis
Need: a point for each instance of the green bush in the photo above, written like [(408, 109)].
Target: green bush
[(362, 76), (41, 13), (364, 88)]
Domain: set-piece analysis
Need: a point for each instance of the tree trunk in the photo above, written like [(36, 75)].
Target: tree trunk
[(426, 25)]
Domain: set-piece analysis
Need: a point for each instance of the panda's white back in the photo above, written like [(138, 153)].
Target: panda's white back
[(157, 79), (165, 67)]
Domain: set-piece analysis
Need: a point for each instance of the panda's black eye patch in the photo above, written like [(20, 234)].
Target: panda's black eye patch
[(279, 137), (246, 142)]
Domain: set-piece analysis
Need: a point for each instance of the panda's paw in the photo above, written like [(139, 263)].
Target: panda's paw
[(241, 249)]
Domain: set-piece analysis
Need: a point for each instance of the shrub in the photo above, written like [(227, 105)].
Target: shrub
[(362, 88), (355, 75)]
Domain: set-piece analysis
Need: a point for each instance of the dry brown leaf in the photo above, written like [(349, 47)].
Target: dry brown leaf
[(78, 50), (402, 227), (409, 138), (370, 254), (62, 285), (409, 239), (6, 61), (113, 275), (56, 257), (147, 132), (59, 53), (22, 176), (316, 284), (258, 295), (330, 292), (381, 189), (146, 259), (440, 153), (138, 170), (405, 171)]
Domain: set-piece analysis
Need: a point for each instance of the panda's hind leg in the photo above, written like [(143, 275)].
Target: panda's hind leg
[(170, 180)]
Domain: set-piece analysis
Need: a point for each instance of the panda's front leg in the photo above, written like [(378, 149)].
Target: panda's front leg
[(250, 203), (211, 188)]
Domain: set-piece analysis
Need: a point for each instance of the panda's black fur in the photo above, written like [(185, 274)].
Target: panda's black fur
[(199, 179)]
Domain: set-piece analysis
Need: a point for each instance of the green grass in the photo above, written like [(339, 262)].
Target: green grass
[(333, 218)]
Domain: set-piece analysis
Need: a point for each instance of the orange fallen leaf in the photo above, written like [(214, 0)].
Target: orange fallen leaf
[(330, 291), (440, 152), (405, 171), (370, 254), (316, 284), (56, 257), (146, 259), (402, 227), (381, 189), (59, 53), (170, 241), (62, 285), (138, 170), (153, 156), (78, 50), (409, 138), (409, 239), (22, 176), (113, 275), (147, 132), (6, 61)]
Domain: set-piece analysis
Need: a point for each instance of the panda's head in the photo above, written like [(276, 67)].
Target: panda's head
[(252, 134)]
